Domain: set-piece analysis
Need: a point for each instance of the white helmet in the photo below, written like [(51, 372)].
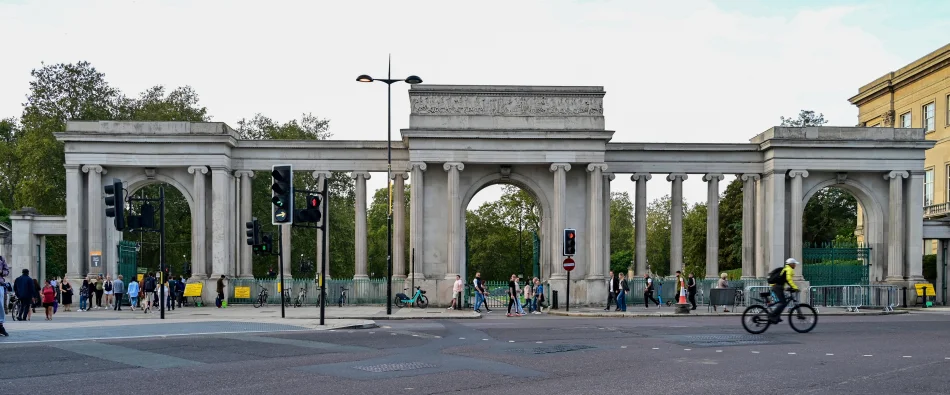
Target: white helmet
[(791, 261)]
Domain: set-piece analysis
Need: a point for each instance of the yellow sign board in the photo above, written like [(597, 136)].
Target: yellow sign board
[(928, 287), (193, 289), (279, 283), (140, 277), (242, 292)]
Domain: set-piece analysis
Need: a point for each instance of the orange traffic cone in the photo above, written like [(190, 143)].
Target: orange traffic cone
[(682, 296)]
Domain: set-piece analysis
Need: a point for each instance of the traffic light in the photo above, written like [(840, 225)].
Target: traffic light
[(267, 245), (283, 195), (147, 214), (570, 242), (253, 232), (312, 212), (115, 203)]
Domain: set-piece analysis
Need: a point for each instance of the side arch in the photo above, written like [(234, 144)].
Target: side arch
[(874, 221), (528, 185), (139, 181)]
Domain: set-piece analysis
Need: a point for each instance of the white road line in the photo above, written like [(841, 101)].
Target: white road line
[(829, 355), (791, 353), (868, 355), (718, 350), (623, 346), (372, 333), (539, 342), (485, 339), (755, 352), (907, 356), (687, 349), (511, 341), (657, 348), (461, 338)]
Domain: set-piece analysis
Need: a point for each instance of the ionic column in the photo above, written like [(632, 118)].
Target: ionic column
[(454, 230), (220, 205), (199, 252), (676, 221), (640, 225), (712, 224), (361, 249), (761, 250), (399, 226), (797, 212), (416, 219), (322, 178), (560, 195), (595, 218), (775, 215), (913, 227), (95, 217), (608, 177), (74, 234), (748, 225), (247, 264), (895, 226)]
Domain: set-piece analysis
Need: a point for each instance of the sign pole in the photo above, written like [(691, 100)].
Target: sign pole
[(568, 301), (280, 262), (325, 227)]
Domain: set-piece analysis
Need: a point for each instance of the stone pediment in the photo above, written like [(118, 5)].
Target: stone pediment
[(507, 108)]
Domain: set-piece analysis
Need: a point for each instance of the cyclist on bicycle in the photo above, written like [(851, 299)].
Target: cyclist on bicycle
[(777, 280)]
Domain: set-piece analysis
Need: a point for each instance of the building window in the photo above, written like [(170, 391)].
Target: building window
[(928, 116), (905, 120), (929, 188)]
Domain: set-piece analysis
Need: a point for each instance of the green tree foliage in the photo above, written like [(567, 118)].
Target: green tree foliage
[(805, 118), (694, 240), (9, 162), (494, 231), (830, 215), (658, 235), (621, 231), (730, 227), (376, 219)]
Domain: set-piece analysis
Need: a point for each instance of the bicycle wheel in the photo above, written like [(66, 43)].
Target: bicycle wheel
[(803, 318), (398, 302), (755, 319), (260, 301), (422, 302)]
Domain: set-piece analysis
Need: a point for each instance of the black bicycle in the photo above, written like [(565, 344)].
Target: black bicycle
[(261, 297), (301, 297), (802, 317), (343, 300)]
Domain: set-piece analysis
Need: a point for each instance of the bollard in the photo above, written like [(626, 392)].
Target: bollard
[(904, 291), (554, 299), (458, 302)]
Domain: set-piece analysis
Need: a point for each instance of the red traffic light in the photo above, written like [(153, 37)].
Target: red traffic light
[(313, 202)]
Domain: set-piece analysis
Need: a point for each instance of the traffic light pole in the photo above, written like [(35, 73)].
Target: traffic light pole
[(161, 249), (323, 257), (280, 262)]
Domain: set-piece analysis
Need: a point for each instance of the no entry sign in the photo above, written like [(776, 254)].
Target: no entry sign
[(568, 264)]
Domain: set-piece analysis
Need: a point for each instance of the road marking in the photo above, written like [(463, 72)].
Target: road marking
[(393, 334), (755, 352), (907, 356), (438, 337), (372, 333), (332, 330), (718, 350), (687, 349), (829, 355), (543, 342), (656, 348), (623, 346), (511, 341), (484, 339), (128, 356), (415, 335), (868, 355), (461, 338), (791, 353)]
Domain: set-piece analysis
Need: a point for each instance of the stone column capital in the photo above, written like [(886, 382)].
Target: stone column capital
[(357, 174), (322, 173), (710, 176), (595, 166), (93, 168), (896, 174), (641, 177), (400, 174), (459, 166), (610, 176), (560, 166), (674, 176), (198, 169), (798, 173), (244, 173), (72, 167), (749, 176), (418, 165)]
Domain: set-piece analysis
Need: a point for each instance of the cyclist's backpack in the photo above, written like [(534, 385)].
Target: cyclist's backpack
[(776, 276)]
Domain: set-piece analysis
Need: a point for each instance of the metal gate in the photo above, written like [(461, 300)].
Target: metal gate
[(128, 259), (836, 264)]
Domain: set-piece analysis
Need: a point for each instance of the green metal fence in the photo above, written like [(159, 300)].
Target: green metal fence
[(836, 264), (128, 259), (358, 292)]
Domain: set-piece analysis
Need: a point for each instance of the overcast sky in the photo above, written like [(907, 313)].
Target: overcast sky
[(674, 71)]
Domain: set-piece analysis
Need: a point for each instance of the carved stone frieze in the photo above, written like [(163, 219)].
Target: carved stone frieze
[(537, 106)]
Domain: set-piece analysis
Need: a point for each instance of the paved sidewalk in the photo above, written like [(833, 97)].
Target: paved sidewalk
[(699, 312)]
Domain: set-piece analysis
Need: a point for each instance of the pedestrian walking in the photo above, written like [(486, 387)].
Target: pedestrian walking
[(691, 290), (622, 289), (220, 290), (118, 289), (49, 298), (149, 286), (648, 292), (538, 296), (480, 293), (513, 295), (528, 297), (456, 289), (25, 290), (723, 284), (133, 294), (99, 289), (5, 288), (67, 294), (84, 291), (611, 290), (108, 290)]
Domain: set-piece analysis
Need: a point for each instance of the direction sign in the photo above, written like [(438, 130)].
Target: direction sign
[(568, 264)]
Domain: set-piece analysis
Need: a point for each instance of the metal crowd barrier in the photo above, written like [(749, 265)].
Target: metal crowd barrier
[(855, 297)]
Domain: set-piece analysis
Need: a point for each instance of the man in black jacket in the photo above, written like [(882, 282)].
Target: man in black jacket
[(24, 289), (612, 286), (691, 290)]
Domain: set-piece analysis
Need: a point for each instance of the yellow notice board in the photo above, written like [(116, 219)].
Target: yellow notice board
[(242, 292), (193, 289), (140, 277), (928, 287)]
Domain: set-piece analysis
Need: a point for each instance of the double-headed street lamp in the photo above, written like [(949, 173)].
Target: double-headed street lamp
[(412, 79)]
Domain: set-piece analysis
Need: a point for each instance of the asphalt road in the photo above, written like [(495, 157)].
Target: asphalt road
[(495, 355)]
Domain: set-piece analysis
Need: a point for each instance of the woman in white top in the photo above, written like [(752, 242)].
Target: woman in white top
[(456, 288), (722, 284)]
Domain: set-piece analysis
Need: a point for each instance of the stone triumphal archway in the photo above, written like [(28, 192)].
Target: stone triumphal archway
[(550, 140)]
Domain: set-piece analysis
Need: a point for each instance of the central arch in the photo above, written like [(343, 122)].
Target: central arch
[(873, 213), (529, 186)]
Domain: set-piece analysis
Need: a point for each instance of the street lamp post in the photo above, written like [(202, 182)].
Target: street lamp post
[(412, 79)]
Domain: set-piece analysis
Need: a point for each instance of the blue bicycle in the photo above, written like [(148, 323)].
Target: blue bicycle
[(419, 299)]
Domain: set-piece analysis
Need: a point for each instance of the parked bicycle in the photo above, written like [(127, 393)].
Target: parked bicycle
[(261, 297), (285, 293), (14, 306), (756, 318), (301, 297), (419, 299), (342, 301)]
